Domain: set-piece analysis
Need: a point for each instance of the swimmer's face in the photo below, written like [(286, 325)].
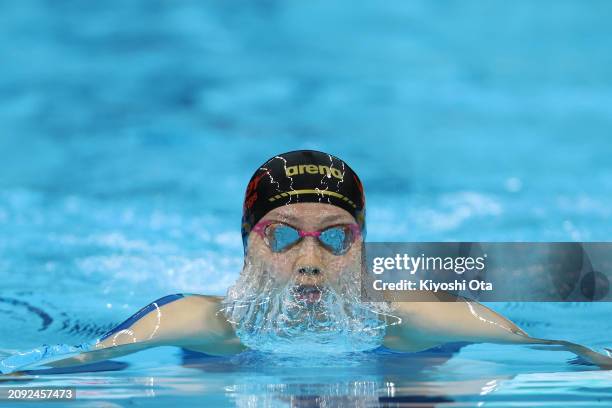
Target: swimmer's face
[(307, 263), (303, 297)]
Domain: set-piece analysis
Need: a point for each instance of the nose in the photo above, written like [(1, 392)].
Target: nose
[(309, 270), (309, 262)]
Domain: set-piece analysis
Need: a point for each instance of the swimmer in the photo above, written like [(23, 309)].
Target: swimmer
[(302, 227)]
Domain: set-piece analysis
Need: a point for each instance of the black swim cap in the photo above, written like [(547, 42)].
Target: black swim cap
[(302, 176)]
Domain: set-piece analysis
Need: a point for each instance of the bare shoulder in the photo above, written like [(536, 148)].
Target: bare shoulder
[(203, 300), (459, 319), (171, 318), (197, 312)]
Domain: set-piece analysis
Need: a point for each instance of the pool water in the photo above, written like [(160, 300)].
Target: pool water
[(128, 132)]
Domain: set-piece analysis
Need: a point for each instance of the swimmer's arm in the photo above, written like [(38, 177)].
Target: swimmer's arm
[(190, 321), (431, 323)]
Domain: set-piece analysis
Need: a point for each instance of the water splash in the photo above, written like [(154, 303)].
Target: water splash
[(276, 317)]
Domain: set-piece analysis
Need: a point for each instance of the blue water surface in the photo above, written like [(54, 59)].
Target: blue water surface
[(128, 132)]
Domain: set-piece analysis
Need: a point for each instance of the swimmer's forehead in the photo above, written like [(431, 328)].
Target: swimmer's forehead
[(310, 215)]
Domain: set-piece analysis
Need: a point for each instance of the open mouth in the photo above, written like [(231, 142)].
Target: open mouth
[(307, 293)]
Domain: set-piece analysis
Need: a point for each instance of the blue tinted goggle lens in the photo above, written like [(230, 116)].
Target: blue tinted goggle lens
[(281, 237), (336, 239)]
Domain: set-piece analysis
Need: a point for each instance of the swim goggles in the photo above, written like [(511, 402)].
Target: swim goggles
[(279, 237)]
